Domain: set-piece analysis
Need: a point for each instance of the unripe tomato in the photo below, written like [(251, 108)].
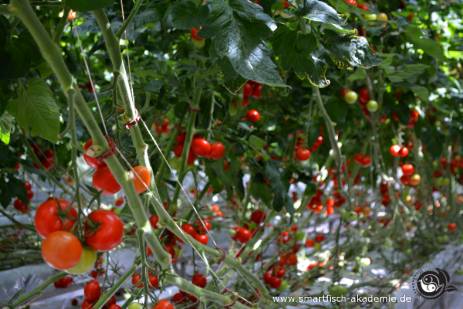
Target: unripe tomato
[(92, 290), (452, 226), (370, 16), (109, 233), (164, 304), (103, 179), (372, 106), (302, 154), (351, 97), (283, 286), (299, 236), (135, 306), (92, 161), (61, 250), (252, 116), (415, 179), (175, 163), (217, 151), (86, 262), (243, 235), (143, 180), (317, 246), (394, 150), (408, 169), (199, 280), (382, 16), (201, 147)]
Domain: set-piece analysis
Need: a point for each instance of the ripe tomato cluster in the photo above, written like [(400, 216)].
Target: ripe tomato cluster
[(19, 205), (92, 292), (198, 231), (152, 280), (199, 148), (64, 282), (45, 157), (302, 153), (163, 128), (362, 159)]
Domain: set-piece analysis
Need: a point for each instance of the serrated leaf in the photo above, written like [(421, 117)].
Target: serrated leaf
[(6, 122), (88, 5), (407, 72), (239, 29), (35, 110), (319, 11), (429, 46), (295, 51), (230, 79), (348, 51), (154, 85), (182, 15)]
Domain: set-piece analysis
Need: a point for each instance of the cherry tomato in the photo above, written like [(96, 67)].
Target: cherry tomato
[(275, 282), (143, 180), (364, 95), (49, 154), (178, 150), (20, 206), (217, 151), (344, 91), (280, 272), (319, 238), (394, 150), (109, 233), (267, 277), (30, 195), (189, 229), (382, 16), (258, 216), (202, 239), (47, 219), (351, 97), (200, 147), (415, 180), (164, 304), (309, 243), (452, 226), (92, 161), (207, 225), (74, 302), (257, 92), (199, 280), (86, 262), (154, 219), (405, 180), (252, 116), (302, 154), (86, 304), (63, 282), (120, 201), (248, 89), (114, 306), (92, 290), (61, 250), (403, 152), (243, 235), (179, 298), (194, 36), (27, 186), (191, 157), (103, 179), (408, 169), (154, 281), (136, 280)]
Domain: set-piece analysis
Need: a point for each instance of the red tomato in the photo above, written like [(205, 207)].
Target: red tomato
[(74, 302), (267, 277), (103, 179), (366, 161), (63, 282), (199, 280), (248, 89), (179, 298), (201, 228), (258, 216), (310, 243), (319, 238), (252, 115), (243, 235), (154, 281), (61, 250), (20, 206), (286, 4), (394, 150), (47, 219), (403, 152), (364, 95), (27, 186), (86, 304), (302, 154), (408, 169), (111, 301), (280, 272), (136, 280), (292, 259), (405, 180), (257, 92), (217, 151), (452, 226), (171, 250), (194, 36), (49, 154), (92, 290), (191, 157), (30, 195), (109, 233), (92, 161), (275, 282), (119, 201), (189, 229), (164, 304), (143, 180), (178, 150), (201, 147), (344, 91), (202, 239), (154, 219), (114, 306)]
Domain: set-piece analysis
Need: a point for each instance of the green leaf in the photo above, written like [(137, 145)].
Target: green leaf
[(256, 142), (6, 122), (15, 62), (216, 183), (337, 110), (261, 191), (319, 11), (88, 5), (418, 90), (358, 74), (289, 206), (35, 110), (432, 141), (182, 15), (146, 17), (429, 46), (154, 85), (239, 29), (230, 79), (407, 72), (348, 51), (44, 70), (273, 176), (295, 51)]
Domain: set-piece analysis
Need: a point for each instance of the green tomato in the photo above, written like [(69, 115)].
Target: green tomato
[(439, 181), (317, 246), (365, 262), (408, 252), (372, 106), (199, 44), (343, 213), (352, 216), (175, 163), (190, 167), (459, 271), (388, 243), (299, 236), (178, 252), (117, 211), (232, 109), (351, 97), (370, 16), (283, 286), (445, 181), (136, 306), (337, 290), (86, 262)]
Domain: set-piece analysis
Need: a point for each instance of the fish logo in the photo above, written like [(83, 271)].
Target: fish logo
[(431, 284)]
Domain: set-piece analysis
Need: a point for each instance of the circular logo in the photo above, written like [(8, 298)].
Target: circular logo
[(431, 284)]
